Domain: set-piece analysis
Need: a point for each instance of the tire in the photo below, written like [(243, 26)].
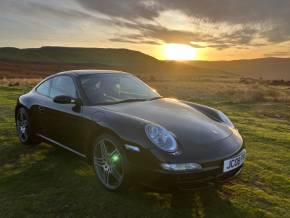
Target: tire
[(110, 163), (24, 129)]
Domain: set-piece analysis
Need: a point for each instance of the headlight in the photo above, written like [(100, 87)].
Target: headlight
[(161, 137), (226, 120)]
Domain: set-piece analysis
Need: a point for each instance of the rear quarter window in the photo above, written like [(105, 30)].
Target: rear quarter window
[(44, 88)]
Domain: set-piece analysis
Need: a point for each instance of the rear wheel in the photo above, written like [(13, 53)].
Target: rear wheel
[(110, 163), (24, 129)]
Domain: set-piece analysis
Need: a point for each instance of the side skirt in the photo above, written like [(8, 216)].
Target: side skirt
[(61, 145)]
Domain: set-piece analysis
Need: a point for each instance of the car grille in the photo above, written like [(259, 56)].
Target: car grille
[(213, 172), (202, 176), (229, 174)]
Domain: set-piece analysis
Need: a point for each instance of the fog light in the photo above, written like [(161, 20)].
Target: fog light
[(181, 166)]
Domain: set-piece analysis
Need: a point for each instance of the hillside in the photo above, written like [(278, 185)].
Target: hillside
[(107, 56), (267, 68), (35, 62)]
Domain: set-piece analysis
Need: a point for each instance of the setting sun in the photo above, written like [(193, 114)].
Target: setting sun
[(179, 52)]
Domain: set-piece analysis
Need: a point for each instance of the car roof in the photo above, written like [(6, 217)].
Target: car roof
[(90, 72)]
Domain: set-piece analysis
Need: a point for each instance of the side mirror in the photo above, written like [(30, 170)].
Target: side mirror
[(63, 99)]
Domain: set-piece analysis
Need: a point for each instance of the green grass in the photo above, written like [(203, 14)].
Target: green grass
[(46, 181)]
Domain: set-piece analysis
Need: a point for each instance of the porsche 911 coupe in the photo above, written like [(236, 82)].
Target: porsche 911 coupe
[(130, 133)]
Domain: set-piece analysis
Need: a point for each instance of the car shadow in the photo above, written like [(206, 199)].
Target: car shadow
[(206, 203), (212, 202), (58, 183)]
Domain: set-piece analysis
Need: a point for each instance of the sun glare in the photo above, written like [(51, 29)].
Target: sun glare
[(179, 52)]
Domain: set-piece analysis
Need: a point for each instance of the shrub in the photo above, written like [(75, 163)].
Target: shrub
[(13, 84), (248, 95)]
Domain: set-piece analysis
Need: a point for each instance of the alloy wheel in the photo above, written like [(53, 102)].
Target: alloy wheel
[(22, 125), (108, 163)]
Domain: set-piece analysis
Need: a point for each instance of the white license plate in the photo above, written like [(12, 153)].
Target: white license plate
[(235, 161)]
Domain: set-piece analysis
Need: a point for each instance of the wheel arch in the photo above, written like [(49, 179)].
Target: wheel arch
[(94, 134), (210, 112), (23, 101), (17, 107)]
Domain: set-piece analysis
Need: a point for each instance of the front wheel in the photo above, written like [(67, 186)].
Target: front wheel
[(110, 163)]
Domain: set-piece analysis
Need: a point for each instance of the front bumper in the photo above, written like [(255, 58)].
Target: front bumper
[(210, 175), (187, 181)]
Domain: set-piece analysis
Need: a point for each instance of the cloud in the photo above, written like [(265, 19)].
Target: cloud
[(277, 54), (218, 24), (274, 15), (155, 34), (134, 41), (64, 11), (128, 9), (230, 11)]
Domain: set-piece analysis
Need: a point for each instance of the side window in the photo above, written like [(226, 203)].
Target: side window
[(62, 85), (44, 88)]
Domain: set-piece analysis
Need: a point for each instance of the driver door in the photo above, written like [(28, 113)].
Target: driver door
[(64, 120)]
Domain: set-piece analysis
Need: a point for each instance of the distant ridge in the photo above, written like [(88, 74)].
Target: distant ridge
[(138, 62), (267, 68), (50, 58), (78, 55)]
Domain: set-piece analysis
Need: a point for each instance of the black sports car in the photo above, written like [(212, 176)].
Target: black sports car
[(129, 132)]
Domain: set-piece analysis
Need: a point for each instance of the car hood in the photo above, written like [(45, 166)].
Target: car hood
[(190, 126)]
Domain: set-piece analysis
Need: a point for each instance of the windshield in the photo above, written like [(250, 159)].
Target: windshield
[(115, 88)]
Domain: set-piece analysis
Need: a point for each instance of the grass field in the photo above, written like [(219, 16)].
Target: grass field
[(46, 181)]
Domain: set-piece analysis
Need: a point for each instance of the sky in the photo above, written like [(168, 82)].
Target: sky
[(215, 29)]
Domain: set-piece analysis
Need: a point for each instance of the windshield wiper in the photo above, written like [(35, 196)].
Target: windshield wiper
[(131, 100), (155, 98)]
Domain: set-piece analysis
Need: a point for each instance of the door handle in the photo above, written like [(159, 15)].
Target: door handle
[(41, 109)]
